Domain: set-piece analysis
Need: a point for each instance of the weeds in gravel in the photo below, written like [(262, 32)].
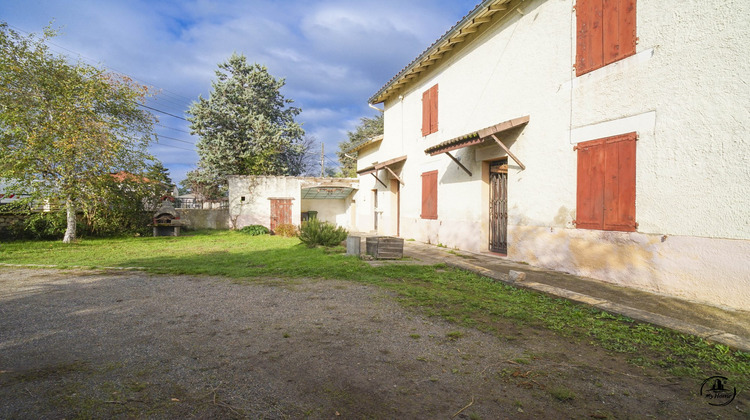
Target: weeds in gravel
[(562, 394), (453, 335), (457, 296)]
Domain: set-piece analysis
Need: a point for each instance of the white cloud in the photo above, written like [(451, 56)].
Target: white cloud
[(334, 54)]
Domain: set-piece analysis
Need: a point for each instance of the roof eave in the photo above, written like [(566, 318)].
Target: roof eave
[(432, 54), (365, 143)]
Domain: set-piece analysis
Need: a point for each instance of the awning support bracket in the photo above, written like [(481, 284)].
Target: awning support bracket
[(393, 174), (497, 140), (376, 177), (458, 163)]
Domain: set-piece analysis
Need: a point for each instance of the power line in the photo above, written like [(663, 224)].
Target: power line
[(174, 147), (175, 129), (172, 138), (166, 113), (335, 163)]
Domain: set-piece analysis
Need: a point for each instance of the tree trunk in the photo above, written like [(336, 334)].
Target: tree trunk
[(70, 231)]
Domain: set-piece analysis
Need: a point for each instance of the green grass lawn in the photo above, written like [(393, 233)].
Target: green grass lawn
[(458, 296)]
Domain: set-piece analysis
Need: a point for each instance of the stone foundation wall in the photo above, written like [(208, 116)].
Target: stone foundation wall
[(7, 219), (205, 219)]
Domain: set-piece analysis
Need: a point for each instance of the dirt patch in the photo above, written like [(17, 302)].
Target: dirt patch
[(95, 344)]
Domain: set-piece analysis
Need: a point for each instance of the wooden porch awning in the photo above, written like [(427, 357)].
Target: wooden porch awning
[(366, 171), (378, 166), (383, 165), (475, 137), (390, 162)]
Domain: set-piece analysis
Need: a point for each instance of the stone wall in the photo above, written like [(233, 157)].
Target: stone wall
[(205, 219), (7, 219)]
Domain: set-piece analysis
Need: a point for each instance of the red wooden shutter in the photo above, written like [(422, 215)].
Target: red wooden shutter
[(429, 195), (619, 183), (582, 33), (589, 37), (430, 110), (619, 29), (628, 34), (434, 109), (590, 187), (426, 112), (605, 33)]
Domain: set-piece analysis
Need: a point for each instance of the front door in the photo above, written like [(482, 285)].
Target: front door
[(281, 212), (499, 207), (396, 194), (375, 210)]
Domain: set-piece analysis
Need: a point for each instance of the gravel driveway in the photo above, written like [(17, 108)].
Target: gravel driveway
[(130, 344)]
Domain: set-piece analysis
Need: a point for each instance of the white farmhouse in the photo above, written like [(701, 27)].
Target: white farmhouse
[(608, 139)]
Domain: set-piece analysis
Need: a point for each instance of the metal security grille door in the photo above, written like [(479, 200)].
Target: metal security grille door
[(375, 210), (499, 207), (281, 212)]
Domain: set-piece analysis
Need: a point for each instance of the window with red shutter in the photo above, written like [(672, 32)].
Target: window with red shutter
[(429, 195), (605, 198), (430, 110), (606, 32), (434, 109), (426, 113), (590, 197)]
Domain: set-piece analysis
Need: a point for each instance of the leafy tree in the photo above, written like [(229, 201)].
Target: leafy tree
[(367, 129), (306, 163), (157, 172), (246, 126), (204, 185), (64, 127), (124, 203)]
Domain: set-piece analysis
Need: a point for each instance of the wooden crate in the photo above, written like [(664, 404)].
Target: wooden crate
[(384, 247)]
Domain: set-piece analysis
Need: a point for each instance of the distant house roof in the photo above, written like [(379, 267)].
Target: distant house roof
[(7, 196), (459, 33), (124, 175)]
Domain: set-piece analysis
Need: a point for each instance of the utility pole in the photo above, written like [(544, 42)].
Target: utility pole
[(322, 160)]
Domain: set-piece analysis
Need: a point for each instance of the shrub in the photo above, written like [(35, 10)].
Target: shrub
[(286, 229), (46, 225), (255, 230), (315, 232)]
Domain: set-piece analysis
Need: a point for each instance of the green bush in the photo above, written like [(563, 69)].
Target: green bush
[(315, 232), (255, 230), (287, 230), (46, 225)]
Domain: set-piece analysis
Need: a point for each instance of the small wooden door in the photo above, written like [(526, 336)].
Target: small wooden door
[(281, 212), (499, 207), (396, 194)]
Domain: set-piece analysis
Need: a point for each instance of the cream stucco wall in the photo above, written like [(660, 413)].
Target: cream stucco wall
[(684, 92), (387, 198), (255, 208)]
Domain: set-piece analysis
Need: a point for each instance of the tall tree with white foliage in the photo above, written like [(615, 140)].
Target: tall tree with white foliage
[(246, 126)]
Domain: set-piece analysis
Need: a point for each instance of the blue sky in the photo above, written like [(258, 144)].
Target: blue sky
[(334, 54)]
